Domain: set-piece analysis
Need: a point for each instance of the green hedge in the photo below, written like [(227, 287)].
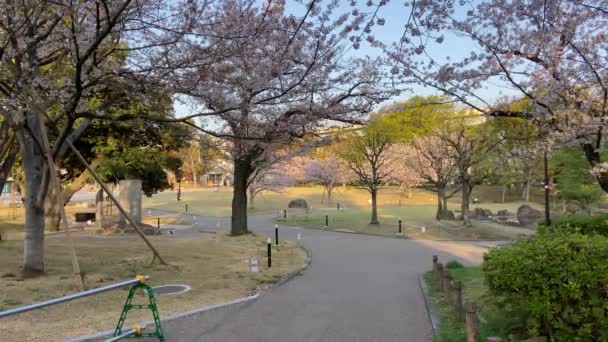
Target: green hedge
[(557, 284), (587, 225)]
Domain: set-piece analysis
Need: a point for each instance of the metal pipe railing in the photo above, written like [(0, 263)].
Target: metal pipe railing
[(136, 330), (68, 298)]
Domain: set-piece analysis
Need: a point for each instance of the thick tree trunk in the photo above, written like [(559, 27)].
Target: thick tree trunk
[(374, 219), (34, 167), (439, 214), (444, 199), (440, 209), (464, 207), (242, 170)]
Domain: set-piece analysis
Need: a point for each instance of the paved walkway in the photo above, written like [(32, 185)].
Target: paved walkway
[(357, 288)]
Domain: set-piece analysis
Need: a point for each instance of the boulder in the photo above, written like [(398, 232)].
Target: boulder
[(503, 215), (526, 215), (481, 213), (298, 203)]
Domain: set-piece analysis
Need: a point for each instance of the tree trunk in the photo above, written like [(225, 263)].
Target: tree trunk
[(439, 214), (444, 199), (504, 190), (526, 194), (602, 179), (374, 219), (194, 173), (242, 170), (464, 207), (440, 209), (592, 153), (251, 198), (35, 188), (329, 188)]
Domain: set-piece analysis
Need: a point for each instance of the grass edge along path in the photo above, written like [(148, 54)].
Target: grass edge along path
[(490, 322), (417, 222)]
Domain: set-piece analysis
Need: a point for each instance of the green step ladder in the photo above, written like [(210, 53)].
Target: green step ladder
[(158, 331)]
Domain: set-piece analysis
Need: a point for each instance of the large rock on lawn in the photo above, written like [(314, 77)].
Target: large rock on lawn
[(298, 203), (526, 215)]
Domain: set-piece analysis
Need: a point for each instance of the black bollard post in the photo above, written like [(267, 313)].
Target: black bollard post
[(326, 220), (276, 234), (269, 244), (400, 225)]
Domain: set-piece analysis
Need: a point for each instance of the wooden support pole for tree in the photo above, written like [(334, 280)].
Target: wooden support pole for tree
[(471, 322), (56, 184), (458, 300), (118, 205)]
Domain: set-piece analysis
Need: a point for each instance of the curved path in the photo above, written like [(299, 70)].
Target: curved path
[(357, 288)]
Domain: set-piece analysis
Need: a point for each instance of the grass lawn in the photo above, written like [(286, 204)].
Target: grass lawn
[(214, 202), (491, 322), (414, 218), (214, 265)]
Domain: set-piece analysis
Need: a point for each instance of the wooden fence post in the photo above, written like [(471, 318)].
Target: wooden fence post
[(439, 274), (458, 300), (471, 322), (435, 258), (447, 278)]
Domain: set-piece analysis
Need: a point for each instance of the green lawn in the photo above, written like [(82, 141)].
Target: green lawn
[(417, 222), (214, 202), (491, 321)]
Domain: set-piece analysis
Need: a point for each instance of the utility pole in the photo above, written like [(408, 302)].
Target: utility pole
[(547, 212)]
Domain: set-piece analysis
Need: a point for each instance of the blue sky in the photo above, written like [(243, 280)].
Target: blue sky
[(395, 15)]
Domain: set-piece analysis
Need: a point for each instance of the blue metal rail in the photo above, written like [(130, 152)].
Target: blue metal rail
[(39, 305)]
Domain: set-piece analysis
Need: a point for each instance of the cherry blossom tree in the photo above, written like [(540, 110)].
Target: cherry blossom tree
[(551, 52), (326, 172), (280, 77), (268, 180), (62, 64), (404, 172), (433, 162)]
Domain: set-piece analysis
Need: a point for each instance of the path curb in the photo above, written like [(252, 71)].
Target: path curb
[(398, 236), (294, 273), (428, 302), (205, 309)]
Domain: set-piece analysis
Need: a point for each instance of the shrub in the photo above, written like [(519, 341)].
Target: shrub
[(587, 225), (558, 284), (453, 264)]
